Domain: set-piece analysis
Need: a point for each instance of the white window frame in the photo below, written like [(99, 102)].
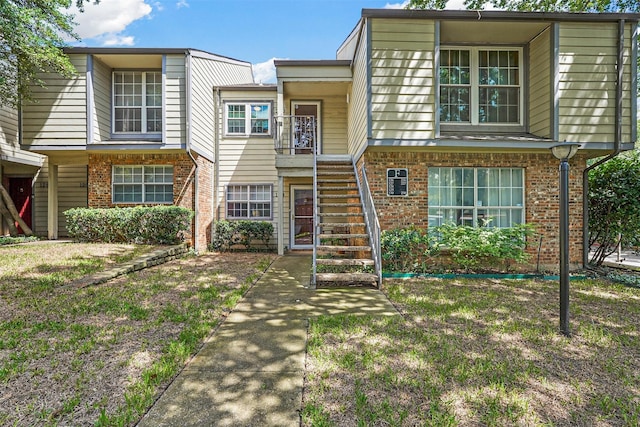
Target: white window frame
[(250, 212), (143, 107), (143, 184), (477, 203), (474, 91), (248, 108)]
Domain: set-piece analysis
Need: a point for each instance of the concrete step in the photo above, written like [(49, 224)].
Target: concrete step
[(332, 249), (338, 196), (345, 261), (341, 214), (342, 236), (342, 224), (340, 205), (346, 277)]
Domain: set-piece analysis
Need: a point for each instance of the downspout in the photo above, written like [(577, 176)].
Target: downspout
[(616, 146), (196, 228)]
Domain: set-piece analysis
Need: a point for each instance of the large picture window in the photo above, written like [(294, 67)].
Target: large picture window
[(249, 201), (143, 184), (481, 86), (137, 102), (248, 119), (491, 197)]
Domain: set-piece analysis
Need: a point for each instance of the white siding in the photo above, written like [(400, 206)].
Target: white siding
[(72, 193), (358, 107), (587, 86), (540, 86), (59, 116), (402, 83), (176, 110), (208, 73), (334, 125), (101, 101)]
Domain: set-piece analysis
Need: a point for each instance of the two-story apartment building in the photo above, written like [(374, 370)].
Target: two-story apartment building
[(423, 117)]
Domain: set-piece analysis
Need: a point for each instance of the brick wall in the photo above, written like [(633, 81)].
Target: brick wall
[(541, 193), (100, 174)]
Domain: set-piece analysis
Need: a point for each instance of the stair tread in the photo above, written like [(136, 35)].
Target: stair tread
[(338, 196), (342, 236), (346, 277), (343, 214), (342, 224), (341, 205), (345, 261), (344, 248)]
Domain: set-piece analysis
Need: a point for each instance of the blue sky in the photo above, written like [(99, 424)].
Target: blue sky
[(252, 30)]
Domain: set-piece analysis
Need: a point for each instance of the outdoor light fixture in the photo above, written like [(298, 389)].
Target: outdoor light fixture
[(564, 152)]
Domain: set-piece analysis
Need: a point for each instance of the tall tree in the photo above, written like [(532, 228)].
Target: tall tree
[(537, 5), (32, 34)]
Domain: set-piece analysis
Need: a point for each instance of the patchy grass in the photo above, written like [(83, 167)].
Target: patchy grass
[(100, 355), (479, 352), (7, 240)]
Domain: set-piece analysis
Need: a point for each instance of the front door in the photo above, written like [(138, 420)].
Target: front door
[(20, 193), (306, 129), (301, 217)]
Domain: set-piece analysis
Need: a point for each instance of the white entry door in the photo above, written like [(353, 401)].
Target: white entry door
[(301, 217)]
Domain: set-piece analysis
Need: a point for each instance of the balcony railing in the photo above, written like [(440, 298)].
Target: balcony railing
[(295, 134)]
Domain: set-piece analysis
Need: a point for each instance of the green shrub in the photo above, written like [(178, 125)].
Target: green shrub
[(228, 234), (141, 224), (454, 247)]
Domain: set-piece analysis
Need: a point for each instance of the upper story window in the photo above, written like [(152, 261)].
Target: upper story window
[(248, 119), (137, 102), (481, 86)]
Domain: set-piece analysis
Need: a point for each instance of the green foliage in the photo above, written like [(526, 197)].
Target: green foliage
[(7, 240), (614, 205), (33, 34), (470, 248), (537, 5), (228, 234), (481, 247), (141, 224)]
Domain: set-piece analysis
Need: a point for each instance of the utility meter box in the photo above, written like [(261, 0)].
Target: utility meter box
[(397, 181)]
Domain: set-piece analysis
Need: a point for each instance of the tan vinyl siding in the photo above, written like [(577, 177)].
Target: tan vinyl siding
[(59, 116), (72, 193), (587, 82), (357, 137), (334, 125), (540, 86), (402, 83), (9, 142), (175, 100), (101, 101), (208, 73), (246, 160)]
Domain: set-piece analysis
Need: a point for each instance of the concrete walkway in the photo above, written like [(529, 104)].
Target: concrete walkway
[(251, 371)]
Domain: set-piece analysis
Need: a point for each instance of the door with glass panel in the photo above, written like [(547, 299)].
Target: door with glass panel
[(301, 217), (305, 127)]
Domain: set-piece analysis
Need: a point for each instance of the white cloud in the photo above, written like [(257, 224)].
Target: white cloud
[(108, 19), (264, 72), (158, 6), (182, 3), (396, 5)]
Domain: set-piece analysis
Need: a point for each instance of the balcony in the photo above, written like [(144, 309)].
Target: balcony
[(295, 142)]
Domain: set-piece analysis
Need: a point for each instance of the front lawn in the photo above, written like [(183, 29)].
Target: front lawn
[(99, 355), (479, 352)]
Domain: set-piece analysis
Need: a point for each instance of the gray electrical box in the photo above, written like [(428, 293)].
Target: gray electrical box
[(397, 181)]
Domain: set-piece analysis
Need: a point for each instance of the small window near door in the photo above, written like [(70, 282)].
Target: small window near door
[(249, 201), (248, 119)]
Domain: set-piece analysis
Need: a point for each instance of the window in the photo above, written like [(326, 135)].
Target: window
[(143, 184), (248, 119), (137, 102), (476, 196), (480, 86), (249, 201)]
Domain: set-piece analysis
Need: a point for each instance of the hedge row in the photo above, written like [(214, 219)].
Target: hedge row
[(228, 234), (141, 224)]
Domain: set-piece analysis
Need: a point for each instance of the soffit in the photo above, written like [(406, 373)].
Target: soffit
[(316, 89), (484, 32), (131, 61)]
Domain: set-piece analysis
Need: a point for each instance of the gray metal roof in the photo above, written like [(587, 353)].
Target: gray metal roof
[(497, 15)]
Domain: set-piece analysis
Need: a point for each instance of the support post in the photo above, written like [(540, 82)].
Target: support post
[(280, 215), (52, 205)]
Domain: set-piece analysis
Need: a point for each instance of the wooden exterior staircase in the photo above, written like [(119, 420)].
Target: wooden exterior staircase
[(343, 251)]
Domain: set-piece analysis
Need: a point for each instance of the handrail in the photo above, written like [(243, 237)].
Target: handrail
[(316, 225), (294, 135), (371, 218)]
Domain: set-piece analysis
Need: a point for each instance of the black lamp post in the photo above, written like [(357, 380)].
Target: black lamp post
[(564, 152)]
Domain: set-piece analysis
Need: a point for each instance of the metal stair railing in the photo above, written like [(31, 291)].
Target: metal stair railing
[(316, 224), (371, 219)]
